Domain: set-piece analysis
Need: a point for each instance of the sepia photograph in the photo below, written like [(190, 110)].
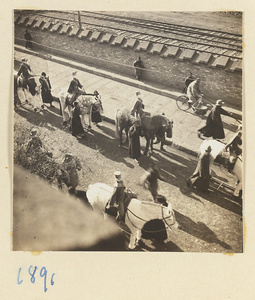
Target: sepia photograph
[(128, 131)]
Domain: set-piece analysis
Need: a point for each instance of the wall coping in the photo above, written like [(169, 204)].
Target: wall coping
[(150, 47)]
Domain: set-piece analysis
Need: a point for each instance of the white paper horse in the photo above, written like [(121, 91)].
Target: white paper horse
[(138, 212), (31, 94), (85, 101)]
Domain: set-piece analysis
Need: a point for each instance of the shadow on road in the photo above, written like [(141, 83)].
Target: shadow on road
[(199, 230)]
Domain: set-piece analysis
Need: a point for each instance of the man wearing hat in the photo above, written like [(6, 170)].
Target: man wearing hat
[(214, 126), (46, 89), (24, 71), (138, 105), (35, 144), (139, 66), (118, 196), (68, 172), (200, 179), (75, 88)]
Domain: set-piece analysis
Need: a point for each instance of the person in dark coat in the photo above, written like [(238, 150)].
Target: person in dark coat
[(138, 105), (75, 88), (96, 107), (24, 71), (138, 64), (150, 181), (200, 179), (46, 89), (214, 126), (77, 128), (68, 174), (134, 141), (28, 39)]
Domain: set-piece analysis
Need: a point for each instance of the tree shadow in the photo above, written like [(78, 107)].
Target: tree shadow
[(199, 230)]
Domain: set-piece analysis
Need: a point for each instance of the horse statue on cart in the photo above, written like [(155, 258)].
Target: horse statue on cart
[(23, 92), (219, 150), (138, 213), (86, 102)]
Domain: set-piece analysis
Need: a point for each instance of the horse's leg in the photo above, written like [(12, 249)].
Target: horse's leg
[(138, 236), (162, 144), (126, 131), (151, 144), (147, 146), (120, 136), (90, 114), (132, 244)]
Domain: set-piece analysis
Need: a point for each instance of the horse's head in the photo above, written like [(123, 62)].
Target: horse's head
[(32, 85), (168, 128)]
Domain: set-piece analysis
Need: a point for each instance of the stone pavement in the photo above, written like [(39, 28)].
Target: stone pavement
[(119, 91)]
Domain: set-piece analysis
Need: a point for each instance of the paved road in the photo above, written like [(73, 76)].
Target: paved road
[(116, 95)]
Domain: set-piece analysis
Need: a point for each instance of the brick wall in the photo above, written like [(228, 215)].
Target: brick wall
[(217, 82)]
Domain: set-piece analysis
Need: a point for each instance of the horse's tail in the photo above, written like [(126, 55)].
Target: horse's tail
[(117, 126)]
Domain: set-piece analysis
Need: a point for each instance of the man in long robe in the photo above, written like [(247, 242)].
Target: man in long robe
[(24, 72), (134, 141), (138, 64), (200, 179), (214, 126), (75, 89), (46, 89)]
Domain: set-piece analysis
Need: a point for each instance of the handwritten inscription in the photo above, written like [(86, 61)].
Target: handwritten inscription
[(34, 274)]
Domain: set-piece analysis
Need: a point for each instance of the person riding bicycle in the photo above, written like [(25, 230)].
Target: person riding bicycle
[(75, 89), (193, 91)]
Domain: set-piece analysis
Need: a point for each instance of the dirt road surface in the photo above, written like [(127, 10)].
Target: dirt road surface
[(207, 222)]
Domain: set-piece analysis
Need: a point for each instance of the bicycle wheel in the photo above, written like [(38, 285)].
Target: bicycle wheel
[(182, 102)]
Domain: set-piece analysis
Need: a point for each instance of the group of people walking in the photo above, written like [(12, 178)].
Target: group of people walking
[(75, 89)]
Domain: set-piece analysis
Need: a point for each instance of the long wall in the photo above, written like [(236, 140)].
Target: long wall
[(221, 77)]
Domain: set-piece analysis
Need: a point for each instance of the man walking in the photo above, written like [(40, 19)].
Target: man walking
[(214, 126), (138, 64)]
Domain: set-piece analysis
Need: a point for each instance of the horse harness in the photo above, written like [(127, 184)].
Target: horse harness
[(151, 231)]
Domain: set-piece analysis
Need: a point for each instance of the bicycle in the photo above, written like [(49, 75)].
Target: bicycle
[(200, 106)]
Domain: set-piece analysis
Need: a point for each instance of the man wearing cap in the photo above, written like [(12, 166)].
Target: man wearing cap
[(138, 105), (35, 144), (46, 89), (200, 179), (24, 71), (214, 126), (118, 196), (75, 88), (193, 91), (138, 64), (68, 172), (28, 39)]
